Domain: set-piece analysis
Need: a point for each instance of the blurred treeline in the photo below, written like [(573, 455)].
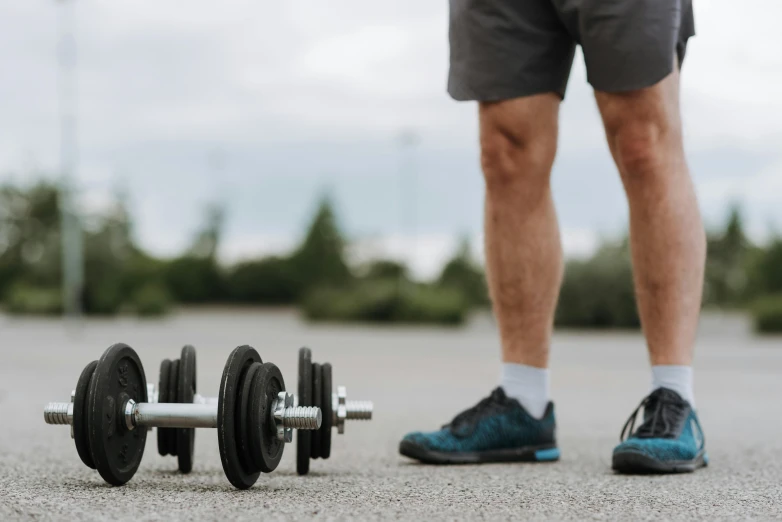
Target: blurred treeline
[(318, 277), (121, 277)]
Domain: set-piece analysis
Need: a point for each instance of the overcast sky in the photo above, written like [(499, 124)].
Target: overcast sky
[(266, 105)]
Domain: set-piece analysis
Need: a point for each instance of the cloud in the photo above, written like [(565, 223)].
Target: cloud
[(303, 94)]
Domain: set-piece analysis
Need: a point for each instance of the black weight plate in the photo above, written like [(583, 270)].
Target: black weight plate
[(80, 408), (238, 362), (173, 379), (243, 425), (185, 437), (162, 398), (256, 420), (267, 449), (116, 450), (327, 413), (303, 437), (317, 390)]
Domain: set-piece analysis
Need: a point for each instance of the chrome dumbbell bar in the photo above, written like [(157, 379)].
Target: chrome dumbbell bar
[(202, 414)]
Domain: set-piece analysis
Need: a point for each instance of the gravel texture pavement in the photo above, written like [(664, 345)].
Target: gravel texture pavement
[(418, 378)]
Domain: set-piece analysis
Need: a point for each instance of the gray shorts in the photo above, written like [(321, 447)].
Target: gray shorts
[(503, 49)]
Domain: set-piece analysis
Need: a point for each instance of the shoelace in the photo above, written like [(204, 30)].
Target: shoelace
[(666, 412), (468, 416)]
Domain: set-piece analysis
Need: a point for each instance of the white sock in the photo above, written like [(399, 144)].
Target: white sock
[(528, 385), (676, 378)]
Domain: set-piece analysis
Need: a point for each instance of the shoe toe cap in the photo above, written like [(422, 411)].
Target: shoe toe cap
[(417, 437), (437, 440), (659, 449)]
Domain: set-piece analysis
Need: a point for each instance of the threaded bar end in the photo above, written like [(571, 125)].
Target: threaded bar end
[(302, 417), (58, 413), (359, 410)]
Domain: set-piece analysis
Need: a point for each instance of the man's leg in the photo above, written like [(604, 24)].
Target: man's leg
[(524, 265), (668, 244), (522, 243), (513, 58), (667, 237), (523, 250)]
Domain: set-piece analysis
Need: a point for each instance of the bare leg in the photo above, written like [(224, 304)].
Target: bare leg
[(523, 250), (666, 232)]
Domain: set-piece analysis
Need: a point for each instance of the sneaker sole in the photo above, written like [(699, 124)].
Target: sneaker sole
[(631, 462), (546, 453)]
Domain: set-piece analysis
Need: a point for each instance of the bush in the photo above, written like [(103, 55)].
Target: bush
[(142, 269), (463, 274), (428, 304), (765, 270), (598, 293), (468, 279), (367, 302), (267, 281), (386, 302), (194, 280), (25, 299), (387, 270), (102, 295), (9, 274), (30, 244), (151, 300), (767, 314)]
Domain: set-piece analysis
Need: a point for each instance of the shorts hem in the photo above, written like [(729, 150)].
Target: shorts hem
[(496, 95), (650, 81), (638, 85)]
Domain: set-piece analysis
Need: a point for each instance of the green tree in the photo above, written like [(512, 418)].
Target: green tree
[(207, 240), (30, 253), (196, 277), (726, 277), (29, 236), (108, 251), (320, 258), (463, 274)]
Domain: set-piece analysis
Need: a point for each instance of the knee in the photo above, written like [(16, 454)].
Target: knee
[(516, 159), (642, 148)]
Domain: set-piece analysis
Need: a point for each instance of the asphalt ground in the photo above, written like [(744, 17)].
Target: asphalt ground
[(418, 378)]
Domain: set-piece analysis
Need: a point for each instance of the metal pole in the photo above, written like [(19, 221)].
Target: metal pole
[(179, 415), (71, 232), (407, 188), (175, 415)]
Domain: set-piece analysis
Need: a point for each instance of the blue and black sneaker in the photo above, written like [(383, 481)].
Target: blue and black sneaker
[(670, 440), (497, 429)]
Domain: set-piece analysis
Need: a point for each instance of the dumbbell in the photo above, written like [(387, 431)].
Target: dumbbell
[(254, 416), (335, 412), (315, 390)]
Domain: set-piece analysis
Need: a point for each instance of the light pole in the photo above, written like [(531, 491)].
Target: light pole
[(71, 231), (407, 141)]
